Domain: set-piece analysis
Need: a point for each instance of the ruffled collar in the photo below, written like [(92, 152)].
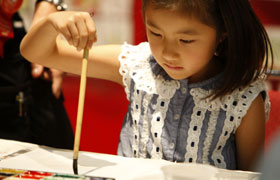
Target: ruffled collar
[(205, 84)]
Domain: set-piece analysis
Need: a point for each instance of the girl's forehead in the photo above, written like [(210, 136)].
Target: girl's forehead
[(175, 22), (199, 9), (166, 13), (172, 16), (184, 7)]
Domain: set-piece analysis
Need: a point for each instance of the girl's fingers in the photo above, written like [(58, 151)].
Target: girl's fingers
[(83, 33), (87, 31), (75, 36), (66, 33), (60, 24), (77, 27), (91, 31)]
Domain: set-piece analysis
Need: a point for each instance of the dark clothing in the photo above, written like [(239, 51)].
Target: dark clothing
[(28, 110)]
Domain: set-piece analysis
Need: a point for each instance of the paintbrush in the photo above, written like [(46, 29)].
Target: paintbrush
[(80, 111)]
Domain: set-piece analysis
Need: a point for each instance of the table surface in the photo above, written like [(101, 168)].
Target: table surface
[(19, 155)]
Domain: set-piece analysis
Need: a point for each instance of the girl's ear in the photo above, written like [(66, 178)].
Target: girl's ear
[(220, 45), (223, 37)]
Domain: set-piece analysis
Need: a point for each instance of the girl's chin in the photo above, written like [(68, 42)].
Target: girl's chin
[(177, 76)]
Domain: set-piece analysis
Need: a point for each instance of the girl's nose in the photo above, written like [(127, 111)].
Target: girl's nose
[(169, 53)]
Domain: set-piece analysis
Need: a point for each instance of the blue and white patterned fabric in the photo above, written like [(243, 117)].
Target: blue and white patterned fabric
[(170, 119)]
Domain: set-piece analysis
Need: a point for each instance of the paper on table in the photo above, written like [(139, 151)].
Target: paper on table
[(129, 168), (9, 148), (40, 159)]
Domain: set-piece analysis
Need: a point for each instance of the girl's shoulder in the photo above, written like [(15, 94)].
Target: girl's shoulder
[(245, 96), (239, 102), (236, 103)]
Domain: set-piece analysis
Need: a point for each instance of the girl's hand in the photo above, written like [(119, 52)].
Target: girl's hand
[(77, 27)]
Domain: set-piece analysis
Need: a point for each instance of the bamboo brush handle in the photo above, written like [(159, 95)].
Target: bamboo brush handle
[(80, 110)]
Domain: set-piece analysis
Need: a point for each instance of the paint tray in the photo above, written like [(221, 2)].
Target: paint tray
[(17, 174)]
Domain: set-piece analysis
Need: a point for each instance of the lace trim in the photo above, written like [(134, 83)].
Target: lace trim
[(131, 58), (267, 106), (217, 156), (209, 138), (236, 106), (245, 97), (146, 128), (136, 108), (200, 109), (157, 125), (233, 114), (194, 132), (135, 64)]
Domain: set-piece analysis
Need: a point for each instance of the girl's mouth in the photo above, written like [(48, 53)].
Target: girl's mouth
[(173, 67)]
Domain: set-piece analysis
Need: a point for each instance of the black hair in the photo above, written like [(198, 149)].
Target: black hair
[(246, 48)]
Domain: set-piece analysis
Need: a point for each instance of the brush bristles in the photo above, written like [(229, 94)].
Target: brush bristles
[(75, 166)]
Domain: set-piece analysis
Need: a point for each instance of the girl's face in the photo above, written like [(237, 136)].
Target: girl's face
[(182, 45)]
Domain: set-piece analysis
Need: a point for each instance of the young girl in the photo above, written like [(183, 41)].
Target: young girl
[(196, 89)]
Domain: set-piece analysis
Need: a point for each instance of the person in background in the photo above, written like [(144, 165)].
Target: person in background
[(196, 88), (269, 164), (31, 99)]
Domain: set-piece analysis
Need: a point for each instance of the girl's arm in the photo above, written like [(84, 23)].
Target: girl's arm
[(44, 45), (250, 135)]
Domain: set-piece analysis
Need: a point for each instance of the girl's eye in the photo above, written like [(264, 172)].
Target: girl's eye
[(155, 34), (186, 41)]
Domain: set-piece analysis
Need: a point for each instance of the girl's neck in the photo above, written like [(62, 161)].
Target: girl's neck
[(214, 67)]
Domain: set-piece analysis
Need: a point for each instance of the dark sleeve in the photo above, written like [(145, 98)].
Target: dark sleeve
[(59, 1), (37, 1), (51, 1), (60, 5)]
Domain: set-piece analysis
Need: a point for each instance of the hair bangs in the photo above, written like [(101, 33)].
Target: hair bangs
[(200, 9)]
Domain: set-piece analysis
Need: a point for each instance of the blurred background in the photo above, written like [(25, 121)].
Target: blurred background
[(114, 18), (118, 21)]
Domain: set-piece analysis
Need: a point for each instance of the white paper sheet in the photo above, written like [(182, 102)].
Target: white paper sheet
[(9, 148), (123, 168), (18, 155), (42, 160)]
